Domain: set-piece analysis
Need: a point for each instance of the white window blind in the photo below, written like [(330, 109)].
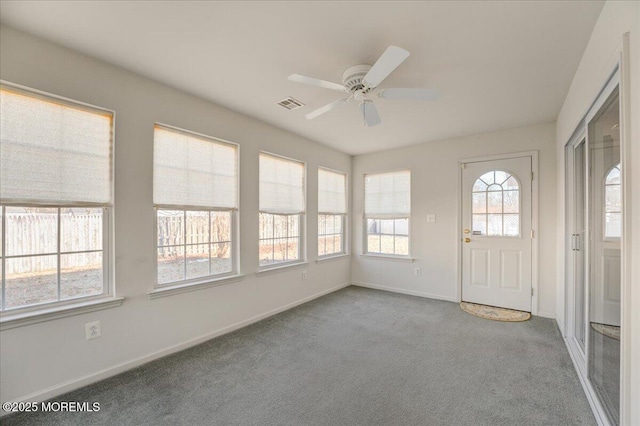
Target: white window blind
[(388, 194), (281, 185), (192, 170), (332, 194), (53, 151)]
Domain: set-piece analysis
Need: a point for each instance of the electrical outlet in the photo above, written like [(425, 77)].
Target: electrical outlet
[(417, 271), (431, 218), (304, 275), (92, 330)]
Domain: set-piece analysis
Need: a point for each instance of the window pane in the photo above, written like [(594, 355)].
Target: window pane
[(80, 275), (322, 224), (510, 184), (402, 246), (613, 225), (31, 280), (373, 243), (31, 230), (170, 227), (495, 224), (494, 202), (197, 260), (293, 249), (511, 201), (221, 258), (220, 226), (512, 225), (280, 226), (81, 229), (487, 178), (280, 249), (197, 227), (613, 177), (337, 223), (480, 202), (266, 225), (402, 226), (480, 185), (266, 252), (337, 244), (612, 198), (386, 227), (500, 177), (294, 225), (480, 224), (170, 264), (321, 245), (386, 244)]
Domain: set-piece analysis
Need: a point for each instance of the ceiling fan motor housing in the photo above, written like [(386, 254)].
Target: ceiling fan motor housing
[(352, 78)]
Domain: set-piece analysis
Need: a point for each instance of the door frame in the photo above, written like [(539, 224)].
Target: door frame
[(534, 221)]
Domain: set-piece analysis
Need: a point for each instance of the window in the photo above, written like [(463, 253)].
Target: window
[(613, 203), (496, 205), (332, 210), (55, 199), (387, 206), (282, 205), (195, 192)]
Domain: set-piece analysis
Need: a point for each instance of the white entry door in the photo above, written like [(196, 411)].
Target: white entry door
[(496, 221)]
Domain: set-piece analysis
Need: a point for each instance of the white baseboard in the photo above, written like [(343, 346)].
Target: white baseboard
[(68, 386), (403, 291)]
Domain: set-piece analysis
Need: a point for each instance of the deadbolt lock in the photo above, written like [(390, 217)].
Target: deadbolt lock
[(467, 231)]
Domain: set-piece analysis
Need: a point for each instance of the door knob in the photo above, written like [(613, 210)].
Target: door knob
[(467, 240)]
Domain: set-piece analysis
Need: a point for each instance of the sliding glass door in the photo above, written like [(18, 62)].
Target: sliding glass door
[(594, 233)]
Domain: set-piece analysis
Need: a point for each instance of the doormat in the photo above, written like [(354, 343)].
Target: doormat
[(493, 313), (608, 330)]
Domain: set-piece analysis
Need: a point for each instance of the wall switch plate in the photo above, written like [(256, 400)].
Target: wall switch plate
[(431, 218), (304, 275), (92, 330), (417, 271)]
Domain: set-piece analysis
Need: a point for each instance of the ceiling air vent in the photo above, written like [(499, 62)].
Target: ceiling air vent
[(290, 103)]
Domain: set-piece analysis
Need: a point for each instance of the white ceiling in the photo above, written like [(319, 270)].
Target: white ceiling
[(498, 64)]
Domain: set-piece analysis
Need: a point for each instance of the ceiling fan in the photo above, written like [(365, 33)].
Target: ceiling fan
[(361, 80)]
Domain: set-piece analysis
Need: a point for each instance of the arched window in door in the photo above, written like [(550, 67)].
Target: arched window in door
[(496, 205), (612, 203)]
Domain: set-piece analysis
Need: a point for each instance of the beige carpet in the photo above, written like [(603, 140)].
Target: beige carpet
[(493, 313)]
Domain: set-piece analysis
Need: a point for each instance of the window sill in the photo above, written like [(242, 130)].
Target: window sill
[(331, 258), (170, 290), (281, 268), (406, 259), (27, 318)]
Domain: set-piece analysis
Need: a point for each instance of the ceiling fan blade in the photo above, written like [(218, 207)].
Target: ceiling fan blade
[(317, 82), (413, 94), (326, 108), (389, 61), (370, 113)]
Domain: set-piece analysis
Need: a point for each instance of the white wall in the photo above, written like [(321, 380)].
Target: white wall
[(45, 359), (434, 190), (600, 56)]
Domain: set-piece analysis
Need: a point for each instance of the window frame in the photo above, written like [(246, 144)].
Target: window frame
[(302, 220), (366, 217), (342, 235), (344, 216), (108, 252), (233, 232)]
